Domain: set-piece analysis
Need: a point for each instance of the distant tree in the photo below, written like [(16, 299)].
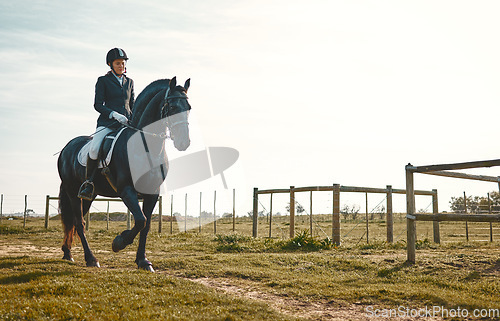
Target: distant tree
[(206, 214), (380, 210), (259, 214), (475, 204), (495, 200), (299, 209), (344, 211), (352, 211)]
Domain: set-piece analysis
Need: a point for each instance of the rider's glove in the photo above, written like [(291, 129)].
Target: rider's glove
[(119, 117)]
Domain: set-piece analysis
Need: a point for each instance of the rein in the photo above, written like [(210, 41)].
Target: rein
[(162, 135)]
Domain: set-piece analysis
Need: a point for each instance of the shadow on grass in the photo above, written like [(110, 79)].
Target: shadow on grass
[(32, 269), (384, 273)]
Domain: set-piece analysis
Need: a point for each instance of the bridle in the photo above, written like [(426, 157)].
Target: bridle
[(164, 118), (165, 109)]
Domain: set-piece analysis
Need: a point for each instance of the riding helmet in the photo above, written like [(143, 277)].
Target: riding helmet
[(115, 53)]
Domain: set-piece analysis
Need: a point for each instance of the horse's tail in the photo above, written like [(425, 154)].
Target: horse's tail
[(67, 217)]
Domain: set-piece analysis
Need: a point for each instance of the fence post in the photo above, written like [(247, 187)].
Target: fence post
[(466, 223), (271, 216), (1, 208), (292, 212), (255, 211), (367, 238), (435, 211), (185, 212), (172, 214), (128, 219), (199, 219), (234, 210), (336, 214), (25, 209), (411, 226), (107, 217), (160, 214), (489, 212), (390, 217), (47, 199), (311, 214), (215, 215)]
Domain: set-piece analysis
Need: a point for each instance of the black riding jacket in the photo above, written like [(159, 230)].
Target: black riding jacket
[(111, 96)]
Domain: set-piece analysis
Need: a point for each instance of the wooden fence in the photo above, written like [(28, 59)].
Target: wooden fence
[(443, 170), (336, 189), (48, 198), (160, 212)]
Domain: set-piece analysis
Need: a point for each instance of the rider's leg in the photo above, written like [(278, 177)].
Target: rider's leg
[(87, 188)]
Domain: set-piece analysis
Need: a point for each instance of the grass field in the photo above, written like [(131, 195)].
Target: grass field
[(231, 276)]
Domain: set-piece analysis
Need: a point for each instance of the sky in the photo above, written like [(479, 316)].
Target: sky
[(309, 92)]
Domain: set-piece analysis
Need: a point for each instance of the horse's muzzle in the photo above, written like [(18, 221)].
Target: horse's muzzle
[(182, 145)]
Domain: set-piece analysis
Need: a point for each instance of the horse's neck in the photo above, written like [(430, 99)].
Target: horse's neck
[(150, 114), (153, 127), (149, 119), (146, 96)]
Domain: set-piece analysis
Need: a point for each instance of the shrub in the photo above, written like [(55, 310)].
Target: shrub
[(305, 242), (229, 243)]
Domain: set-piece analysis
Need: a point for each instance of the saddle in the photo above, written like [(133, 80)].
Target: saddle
[(105, 151), (104, 155)]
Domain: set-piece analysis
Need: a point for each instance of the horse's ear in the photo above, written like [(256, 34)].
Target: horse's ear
[(173, 83), (187, 84)]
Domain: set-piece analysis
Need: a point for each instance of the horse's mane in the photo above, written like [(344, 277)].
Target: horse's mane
[(145, 97)]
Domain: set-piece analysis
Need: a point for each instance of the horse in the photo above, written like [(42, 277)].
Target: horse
[(162, 105)]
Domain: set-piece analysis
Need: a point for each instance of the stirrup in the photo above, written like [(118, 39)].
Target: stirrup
[(83, 188)]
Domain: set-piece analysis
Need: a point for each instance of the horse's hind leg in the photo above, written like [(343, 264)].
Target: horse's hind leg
[(81, 207), (68, 220)]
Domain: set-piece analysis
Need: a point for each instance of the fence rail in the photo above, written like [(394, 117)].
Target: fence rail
[(88, 218), (160, 211), (446, 171), (336, 189)]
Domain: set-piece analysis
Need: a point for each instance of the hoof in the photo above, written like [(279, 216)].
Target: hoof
[(118, 244), (93, 263), (67, 254), (68, 258), (144, 264)]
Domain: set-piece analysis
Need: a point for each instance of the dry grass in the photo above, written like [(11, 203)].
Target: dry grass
[(239, 277)]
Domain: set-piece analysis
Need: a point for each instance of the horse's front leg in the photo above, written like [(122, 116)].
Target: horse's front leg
[(129, 197), (147, 207)]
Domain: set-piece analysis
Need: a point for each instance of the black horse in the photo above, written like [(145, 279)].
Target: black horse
[(161, 105)]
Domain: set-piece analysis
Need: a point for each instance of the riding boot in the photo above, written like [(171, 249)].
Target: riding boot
[(87, 189)]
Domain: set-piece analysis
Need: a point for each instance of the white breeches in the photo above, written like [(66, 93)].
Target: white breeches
[(98, 137)]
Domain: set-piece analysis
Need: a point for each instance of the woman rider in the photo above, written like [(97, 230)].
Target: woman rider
[(114, 100)]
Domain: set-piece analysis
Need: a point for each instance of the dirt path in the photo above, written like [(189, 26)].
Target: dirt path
[(286, 305), (309, 310), (25, 248)]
